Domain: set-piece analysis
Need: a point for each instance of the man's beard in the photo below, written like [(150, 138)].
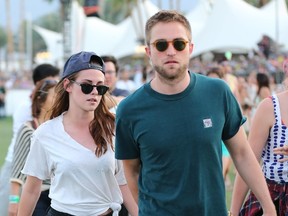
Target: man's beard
[(171, 76)]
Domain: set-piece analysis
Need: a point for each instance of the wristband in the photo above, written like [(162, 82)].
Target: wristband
[(14, 199)]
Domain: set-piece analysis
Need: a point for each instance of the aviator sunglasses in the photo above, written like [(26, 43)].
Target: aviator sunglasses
[(161, 45), (87, 88)]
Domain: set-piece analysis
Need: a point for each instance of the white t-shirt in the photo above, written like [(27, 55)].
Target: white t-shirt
[(81, 183)]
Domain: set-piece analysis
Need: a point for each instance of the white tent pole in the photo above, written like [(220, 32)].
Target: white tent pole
[(276, 21), (29, 41)]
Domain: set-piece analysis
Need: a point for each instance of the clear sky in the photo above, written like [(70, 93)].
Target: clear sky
[(38, 8), (33, 8)]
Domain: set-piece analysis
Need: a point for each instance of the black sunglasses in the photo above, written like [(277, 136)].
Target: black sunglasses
[(87, 88), (162, 45)]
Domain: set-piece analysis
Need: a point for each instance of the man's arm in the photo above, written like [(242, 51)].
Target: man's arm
[(250, 170), (131, 170)]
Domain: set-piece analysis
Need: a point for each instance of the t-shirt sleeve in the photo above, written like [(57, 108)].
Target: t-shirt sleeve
[(120, 176), (234, 117), (125, 147), (37, 162)]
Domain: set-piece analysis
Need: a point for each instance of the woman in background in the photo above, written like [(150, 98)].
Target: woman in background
[(217, 72), (268, 135), (42, 99)]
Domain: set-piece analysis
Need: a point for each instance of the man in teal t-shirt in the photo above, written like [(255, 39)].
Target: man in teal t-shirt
[(169, 132)]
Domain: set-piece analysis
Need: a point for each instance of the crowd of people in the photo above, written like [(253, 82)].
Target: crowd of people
[(103, 139)]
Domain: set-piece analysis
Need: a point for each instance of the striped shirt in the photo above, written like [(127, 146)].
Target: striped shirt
[(21, 150)]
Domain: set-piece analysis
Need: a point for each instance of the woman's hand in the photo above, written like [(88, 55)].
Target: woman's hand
[(282, 151)]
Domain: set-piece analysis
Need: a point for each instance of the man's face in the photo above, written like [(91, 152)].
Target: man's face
[(110, 75), (169, 63)]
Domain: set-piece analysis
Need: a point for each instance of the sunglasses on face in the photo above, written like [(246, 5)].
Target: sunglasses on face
[(87, 88), (162, 45), (45, 84)]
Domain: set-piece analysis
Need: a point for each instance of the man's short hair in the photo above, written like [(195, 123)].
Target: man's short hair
[(110, 58), (43, 71)]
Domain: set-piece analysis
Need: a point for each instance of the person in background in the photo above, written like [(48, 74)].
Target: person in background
[(75, 148), (263, 91), (21, 115), (268, 135), (245, 101), (2, 98), (125, 81), (217, 72), (230, 78), (169, 131), (111, 77), (263, 84), (42, 99)]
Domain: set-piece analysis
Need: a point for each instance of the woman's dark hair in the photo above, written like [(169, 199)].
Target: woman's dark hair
[(39, 95), (110, 58), (43, 71), (262, 81)]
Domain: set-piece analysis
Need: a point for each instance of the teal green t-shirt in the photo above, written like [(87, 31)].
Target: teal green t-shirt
[(178, 141)]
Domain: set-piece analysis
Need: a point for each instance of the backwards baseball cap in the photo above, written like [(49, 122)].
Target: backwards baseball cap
[(82, 61)]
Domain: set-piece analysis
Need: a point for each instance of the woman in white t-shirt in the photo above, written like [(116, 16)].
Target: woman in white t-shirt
[(75, 148)]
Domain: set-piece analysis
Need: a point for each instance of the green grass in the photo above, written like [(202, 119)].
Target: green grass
[(5, 137), (229, 191)]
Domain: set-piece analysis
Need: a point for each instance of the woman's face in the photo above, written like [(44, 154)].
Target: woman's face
[(90, 101)]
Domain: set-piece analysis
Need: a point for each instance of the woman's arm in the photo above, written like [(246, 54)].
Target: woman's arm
[(257, 139), (17, 179), (30, 196), (14, 198), (129, 201)]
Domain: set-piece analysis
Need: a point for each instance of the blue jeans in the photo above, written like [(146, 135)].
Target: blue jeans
[(53, 212), (43, 204)]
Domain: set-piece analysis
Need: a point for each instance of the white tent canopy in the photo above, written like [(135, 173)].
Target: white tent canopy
[(199, 15), (54, 43), (229, 25), (237, 26), (119, 40), (276, 10), (227, 28)]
